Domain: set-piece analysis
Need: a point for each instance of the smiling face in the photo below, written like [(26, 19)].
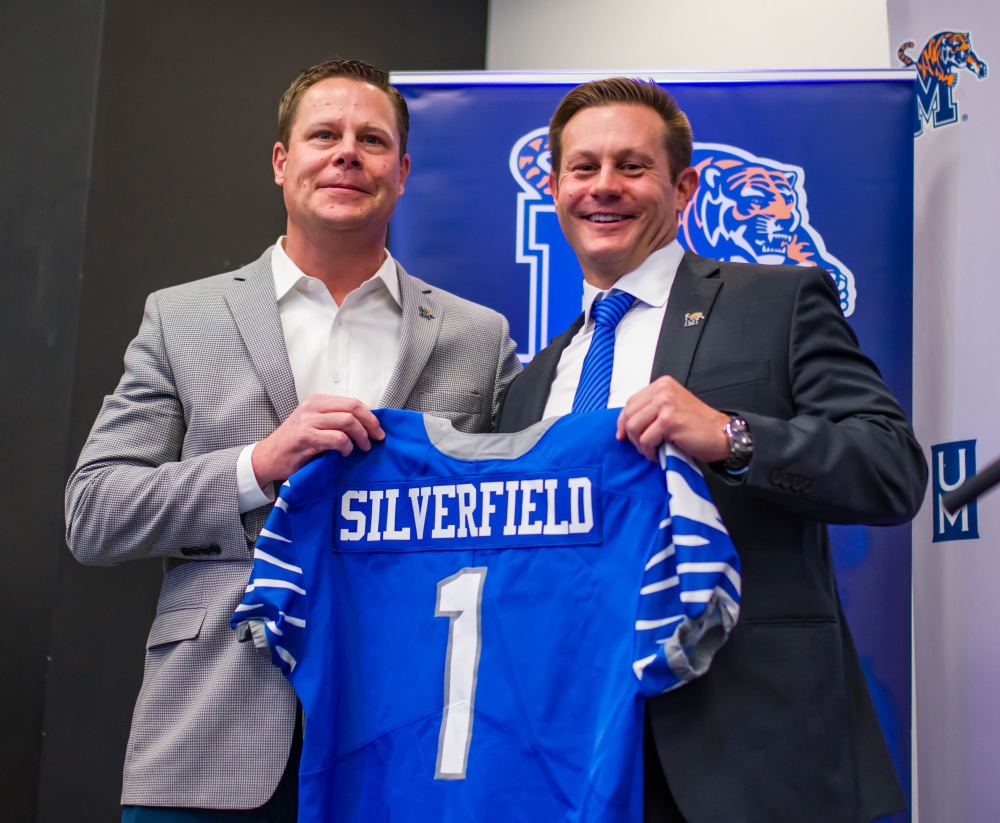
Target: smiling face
[(341, 170), (616, 199)]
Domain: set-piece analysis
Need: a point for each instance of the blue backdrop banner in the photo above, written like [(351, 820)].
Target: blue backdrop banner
[(804, 168)]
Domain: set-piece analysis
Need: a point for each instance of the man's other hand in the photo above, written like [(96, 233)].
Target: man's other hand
[(321, 422), (665, 411)]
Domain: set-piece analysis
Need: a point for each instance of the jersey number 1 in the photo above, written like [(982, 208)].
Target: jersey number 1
[(459, 598)]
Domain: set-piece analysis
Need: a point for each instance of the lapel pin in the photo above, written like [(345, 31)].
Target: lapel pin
[(693, 318), (425, 313)]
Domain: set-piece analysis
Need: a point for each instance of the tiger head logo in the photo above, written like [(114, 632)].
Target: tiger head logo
[(753, 209), (938, 67)]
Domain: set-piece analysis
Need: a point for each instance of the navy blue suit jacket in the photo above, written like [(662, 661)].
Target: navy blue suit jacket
[(782, 728)]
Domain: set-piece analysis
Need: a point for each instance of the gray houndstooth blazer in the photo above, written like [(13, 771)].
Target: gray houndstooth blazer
[(207, 375)]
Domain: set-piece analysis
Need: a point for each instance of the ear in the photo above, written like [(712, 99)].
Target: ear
[(554, 185), (279, 155), (685, 186), (404, 172)]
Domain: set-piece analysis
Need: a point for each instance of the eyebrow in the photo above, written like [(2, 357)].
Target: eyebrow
[(628, 152), (330, 124)]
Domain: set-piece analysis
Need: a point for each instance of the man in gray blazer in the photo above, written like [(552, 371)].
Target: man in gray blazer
[(231, 385)]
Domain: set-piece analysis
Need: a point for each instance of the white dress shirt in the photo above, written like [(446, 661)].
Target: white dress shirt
[(348, 350), (636, 336)]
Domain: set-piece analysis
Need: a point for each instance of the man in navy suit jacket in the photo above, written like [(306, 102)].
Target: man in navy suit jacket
[(754, 371)]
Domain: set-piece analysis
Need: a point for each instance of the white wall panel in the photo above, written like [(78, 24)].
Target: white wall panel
[(668, 34)]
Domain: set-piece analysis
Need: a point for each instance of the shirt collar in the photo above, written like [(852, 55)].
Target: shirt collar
[(288, 276), (649, 282)]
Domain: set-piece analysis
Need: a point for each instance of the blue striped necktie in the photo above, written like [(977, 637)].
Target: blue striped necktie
[(595, 380)]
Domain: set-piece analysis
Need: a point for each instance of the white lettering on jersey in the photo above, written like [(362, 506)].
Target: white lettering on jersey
[(419, 508), (486, 489), (551, 527), (440, 512), (376, 499), (346, 513), (581, 491), (528, 506), (391, 532), (466, 507), (466, 510), (510, 528)]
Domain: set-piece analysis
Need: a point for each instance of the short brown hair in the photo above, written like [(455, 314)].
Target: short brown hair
[(353, 70), (629, 91)]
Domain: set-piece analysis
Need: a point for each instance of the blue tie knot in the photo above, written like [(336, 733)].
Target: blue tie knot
[(610, 310)]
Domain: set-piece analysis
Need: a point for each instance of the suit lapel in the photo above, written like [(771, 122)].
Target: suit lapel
[(422, 317), (523, 403), (540, 373), (251, 301), (691, 297)]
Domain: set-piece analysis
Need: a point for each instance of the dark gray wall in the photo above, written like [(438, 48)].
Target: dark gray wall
[(48, 86), (180, 188)]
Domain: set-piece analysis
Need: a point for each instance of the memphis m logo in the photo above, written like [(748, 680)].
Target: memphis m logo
[(747, 209), (951, 465), (938, 67)]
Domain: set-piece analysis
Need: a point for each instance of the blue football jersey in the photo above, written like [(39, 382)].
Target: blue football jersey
[(472, 622)]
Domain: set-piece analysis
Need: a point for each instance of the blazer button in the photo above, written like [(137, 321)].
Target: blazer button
[(798, 483), (776, 478)]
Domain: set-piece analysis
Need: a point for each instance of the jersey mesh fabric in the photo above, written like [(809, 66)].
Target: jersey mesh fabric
[(524, 701)]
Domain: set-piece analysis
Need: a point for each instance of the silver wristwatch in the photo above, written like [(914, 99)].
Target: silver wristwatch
[(740, 445)]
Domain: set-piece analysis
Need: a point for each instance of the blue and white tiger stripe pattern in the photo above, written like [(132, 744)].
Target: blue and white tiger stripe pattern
[(274, 605), (691, 587)]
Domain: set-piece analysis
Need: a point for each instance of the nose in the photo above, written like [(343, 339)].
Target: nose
[(606, 182), (347, 153)]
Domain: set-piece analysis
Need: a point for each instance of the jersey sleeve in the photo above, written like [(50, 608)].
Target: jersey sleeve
[(689, 599), (273, 609)]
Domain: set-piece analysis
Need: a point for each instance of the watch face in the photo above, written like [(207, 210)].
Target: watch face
[(740, 444)]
